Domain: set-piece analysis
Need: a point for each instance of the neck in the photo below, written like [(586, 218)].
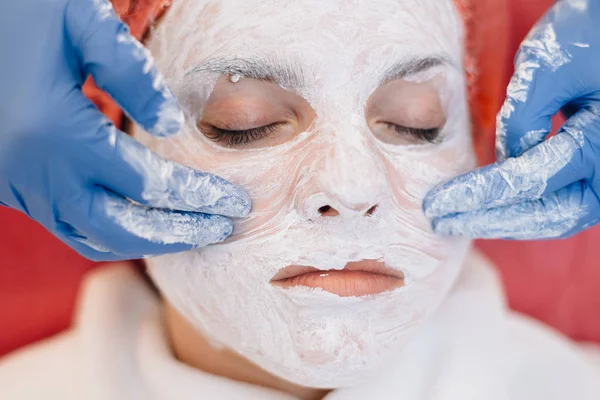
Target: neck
[(193, 349)]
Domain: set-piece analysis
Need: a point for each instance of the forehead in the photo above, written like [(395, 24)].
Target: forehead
[(333, 31)]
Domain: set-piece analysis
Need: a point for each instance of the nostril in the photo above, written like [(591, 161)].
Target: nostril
[(328, 211), (371, 210)]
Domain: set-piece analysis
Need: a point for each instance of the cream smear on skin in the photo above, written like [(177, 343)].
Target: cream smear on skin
[(341, 49)]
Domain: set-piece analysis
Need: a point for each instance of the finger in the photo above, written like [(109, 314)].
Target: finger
[(583, 127), (83, 245), (164, 184), (538, 89), (122, 66), (512, 181), (108, 222), (93, 255), (126, 167), (558, 215), (169, 185)]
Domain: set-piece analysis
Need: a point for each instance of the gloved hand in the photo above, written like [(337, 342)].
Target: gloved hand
[(64, 164), (545, 188)]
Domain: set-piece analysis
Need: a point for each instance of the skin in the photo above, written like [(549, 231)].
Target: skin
[(192, 348), (334, 144)]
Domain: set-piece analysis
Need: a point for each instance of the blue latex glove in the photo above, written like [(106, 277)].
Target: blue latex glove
[(545, 188), (63, 163)]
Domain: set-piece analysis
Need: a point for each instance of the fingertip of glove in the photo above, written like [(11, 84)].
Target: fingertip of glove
[(214, 229)]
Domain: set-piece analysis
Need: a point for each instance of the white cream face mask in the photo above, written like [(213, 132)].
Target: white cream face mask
[(334, 78)]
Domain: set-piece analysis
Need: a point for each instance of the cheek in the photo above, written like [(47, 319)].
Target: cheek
[(270, 176), (412, 173)]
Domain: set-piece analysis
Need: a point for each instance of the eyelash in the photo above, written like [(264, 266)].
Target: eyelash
[(243, 137), (428, 135), (240, 138)]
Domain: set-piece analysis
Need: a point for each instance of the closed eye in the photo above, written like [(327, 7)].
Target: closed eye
[(429, 135), (238, 138)]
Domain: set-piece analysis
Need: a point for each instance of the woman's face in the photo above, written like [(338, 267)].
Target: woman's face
[(336, 117)]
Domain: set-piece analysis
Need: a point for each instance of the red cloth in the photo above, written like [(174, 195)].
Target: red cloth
[(557, 281), (553, 281)]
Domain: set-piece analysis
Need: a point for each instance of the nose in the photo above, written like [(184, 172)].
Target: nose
[(324, 205), (329, 211), (349, 182)]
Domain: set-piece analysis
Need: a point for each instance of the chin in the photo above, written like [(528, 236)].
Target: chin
[(337, 353), (307, 336), (321, 340)]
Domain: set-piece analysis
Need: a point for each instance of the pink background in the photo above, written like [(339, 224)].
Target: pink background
[(553, 281)]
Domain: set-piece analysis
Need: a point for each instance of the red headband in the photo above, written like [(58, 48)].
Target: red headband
[(486, 46)]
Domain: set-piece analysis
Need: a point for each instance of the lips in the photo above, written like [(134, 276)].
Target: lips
[(362, 278)]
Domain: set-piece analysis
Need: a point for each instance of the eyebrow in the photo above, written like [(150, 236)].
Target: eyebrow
[(292, 76), (285, 74), (415, 65)]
